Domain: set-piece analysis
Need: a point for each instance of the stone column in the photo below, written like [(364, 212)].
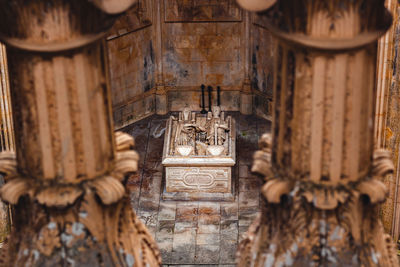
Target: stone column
[(7, 128), (387, 116), (6, 136), (246, 94), (161, 93), (67, 177), (323, 189)]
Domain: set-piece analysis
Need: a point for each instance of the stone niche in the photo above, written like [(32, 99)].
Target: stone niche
[(198, 156), (161, 52)]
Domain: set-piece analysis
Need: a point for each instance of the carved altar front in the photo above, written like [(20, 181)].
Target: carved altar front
[(199, 153)]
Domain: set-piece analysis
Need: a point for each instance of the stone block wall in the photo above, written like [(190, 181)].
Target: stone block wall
[(170, 47), (132, 64), (207, 53), (262, 52)]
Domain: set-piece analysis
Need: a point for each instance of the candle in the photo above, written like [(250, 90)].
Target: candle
[(203, 104), (219, 95), (209, 97)]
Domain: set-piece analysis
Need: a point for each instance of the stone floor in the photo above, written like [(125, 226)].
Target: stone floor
[(195, 233)]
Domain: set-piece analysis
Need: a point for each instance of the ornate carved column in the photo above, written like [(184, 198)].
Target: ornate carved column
[(161, 93), (6, 136), (67, 178), (322, 190), (7, 128)]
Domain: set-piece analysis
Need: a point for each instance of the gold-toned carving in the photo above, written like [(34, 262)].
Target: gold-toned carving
[(322, 179)]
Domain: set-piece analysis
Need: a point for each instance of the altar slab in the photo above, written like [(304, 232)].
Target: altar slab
[(198, 156)]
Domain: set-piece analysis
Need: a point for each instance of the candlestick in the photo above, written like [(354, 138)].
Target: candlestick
[(209, 97), (219, 95), (203, 104)]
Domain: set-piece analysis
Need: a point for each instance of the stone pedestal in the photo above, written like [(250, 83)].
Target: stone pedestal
[(197, 169)]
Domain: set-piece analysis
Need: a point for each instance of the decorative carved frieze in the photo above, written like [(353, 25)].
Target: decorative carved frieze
[(188, 179)]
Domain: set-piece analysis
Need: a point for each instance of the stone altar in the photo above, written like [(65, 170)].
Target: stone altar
[(198, 156)]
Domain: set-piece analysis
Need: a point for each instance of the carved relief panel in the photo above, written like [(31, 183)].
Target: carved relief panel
[(184, 179)]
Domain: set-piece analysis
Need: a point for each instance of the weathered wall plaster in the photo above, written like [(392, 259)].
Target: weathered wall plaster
[(132, 74), (132, 64), (261, 66), (202, 53), (200, 43)]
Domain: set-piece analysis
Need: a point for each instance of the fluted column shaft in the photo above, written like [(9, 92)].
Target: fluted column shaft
[(62, 112)]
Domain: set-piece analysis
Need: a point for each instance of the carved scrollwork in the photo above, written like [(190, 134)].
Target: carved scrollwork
[(315, 222), (322, 197), (262, 157), (81, 216), (108, 187)]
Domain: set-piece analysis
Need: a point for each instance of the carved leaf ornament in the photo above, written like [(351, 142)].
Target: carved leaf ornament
[(105, 223), (108, 188), (322, 197)]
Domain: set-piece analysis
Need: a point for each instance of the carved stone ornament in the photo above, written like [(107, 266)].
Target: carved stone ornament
[(322, 179), (67, 178), (199, 152)]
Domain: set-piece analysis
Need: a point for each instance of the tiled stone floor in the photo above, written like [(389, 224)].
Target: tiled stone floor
[(195, 233)]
